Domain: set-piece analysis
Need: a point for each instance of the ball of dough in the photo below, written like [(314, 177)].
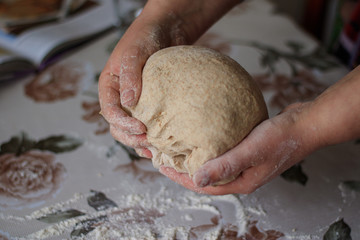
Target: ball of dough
[(196, 104)]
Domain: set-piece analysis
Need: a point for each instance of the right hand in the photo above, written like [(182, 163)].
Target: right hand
[(161, 24)]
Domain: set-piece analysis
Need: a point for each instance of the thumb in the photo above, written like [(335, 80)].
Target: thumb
[(222, 169)]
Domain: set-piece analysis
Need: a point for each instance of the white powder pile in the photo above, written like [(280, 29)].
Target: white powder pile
[(43, 211), (166, 214)]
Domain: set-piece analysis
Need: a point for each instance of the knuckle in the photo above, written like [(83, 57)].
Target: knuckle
[(120, 136), (129, 59), (128, 124), (226, 168)]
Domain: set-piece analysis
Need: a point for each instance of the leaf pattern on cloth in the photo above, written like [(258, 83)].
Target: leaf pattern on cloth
[(84, 227), (60, 216), (339, 230), (99, 201), (133, 156), (295, 174), (22, 143), (58, 82), (352, 185)]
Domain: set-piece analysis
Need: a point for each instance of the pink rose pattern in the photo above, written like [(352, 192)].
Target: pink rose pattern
[(143, 175), (29, 173), (230, 232), (58, 82), (92, 115), (29, 178), (302, 86)]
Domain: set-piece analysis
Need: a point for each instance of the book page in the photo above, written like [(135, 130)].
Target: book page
[(36, 44), (13, 66)]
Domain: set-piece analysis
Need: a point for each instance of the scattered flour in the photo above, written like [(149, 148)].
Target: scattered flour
[(43, 211), (166, 214), (348, 196)]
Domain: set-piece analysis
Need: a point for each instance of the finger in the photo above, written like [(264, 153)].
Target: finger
[(180, 178), (253, 178), (263, 173), (143, 152), (135, 141), (184, 180), (130, 75), (110, 106), (227, 166), (250, 180)]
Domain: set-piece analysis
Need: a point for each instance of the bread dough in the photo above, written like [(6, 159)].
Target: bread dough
[(196, 104)]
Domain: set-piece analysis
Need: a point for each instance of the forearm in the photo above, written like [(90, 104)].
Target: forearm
[(193, 17), (334, 116)]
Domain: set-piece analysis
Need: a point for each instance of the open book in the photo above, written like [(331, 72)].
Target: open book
[(27, 49)]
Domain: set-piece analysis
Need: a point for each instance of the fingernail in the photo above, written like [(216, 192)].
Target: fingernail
[(201, 178), (148, 153), (145, 153), (127, 98)]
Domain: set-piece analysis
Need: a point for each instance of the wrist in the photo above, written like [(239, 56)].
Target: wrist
[(302, 128), (193, 18), (334, 116)]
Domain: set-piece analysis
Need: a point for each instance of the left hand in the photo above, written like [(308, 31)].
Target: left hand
[(270, 148)]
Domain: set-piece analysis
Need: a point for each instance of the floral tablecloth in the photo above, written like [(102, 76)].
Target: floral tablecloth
[(62, 175)]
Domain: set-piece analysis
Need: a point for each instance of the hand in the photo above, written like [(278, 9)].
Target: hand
[(271, 148), (120, 81), (161, 24), (278, 143)]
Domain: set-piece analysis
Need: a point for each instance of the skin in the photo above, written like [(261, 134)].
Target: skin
[(272, 147)]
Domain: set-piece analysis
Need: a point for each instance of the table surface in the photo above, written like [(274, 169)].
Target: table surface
[(62, 175)]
